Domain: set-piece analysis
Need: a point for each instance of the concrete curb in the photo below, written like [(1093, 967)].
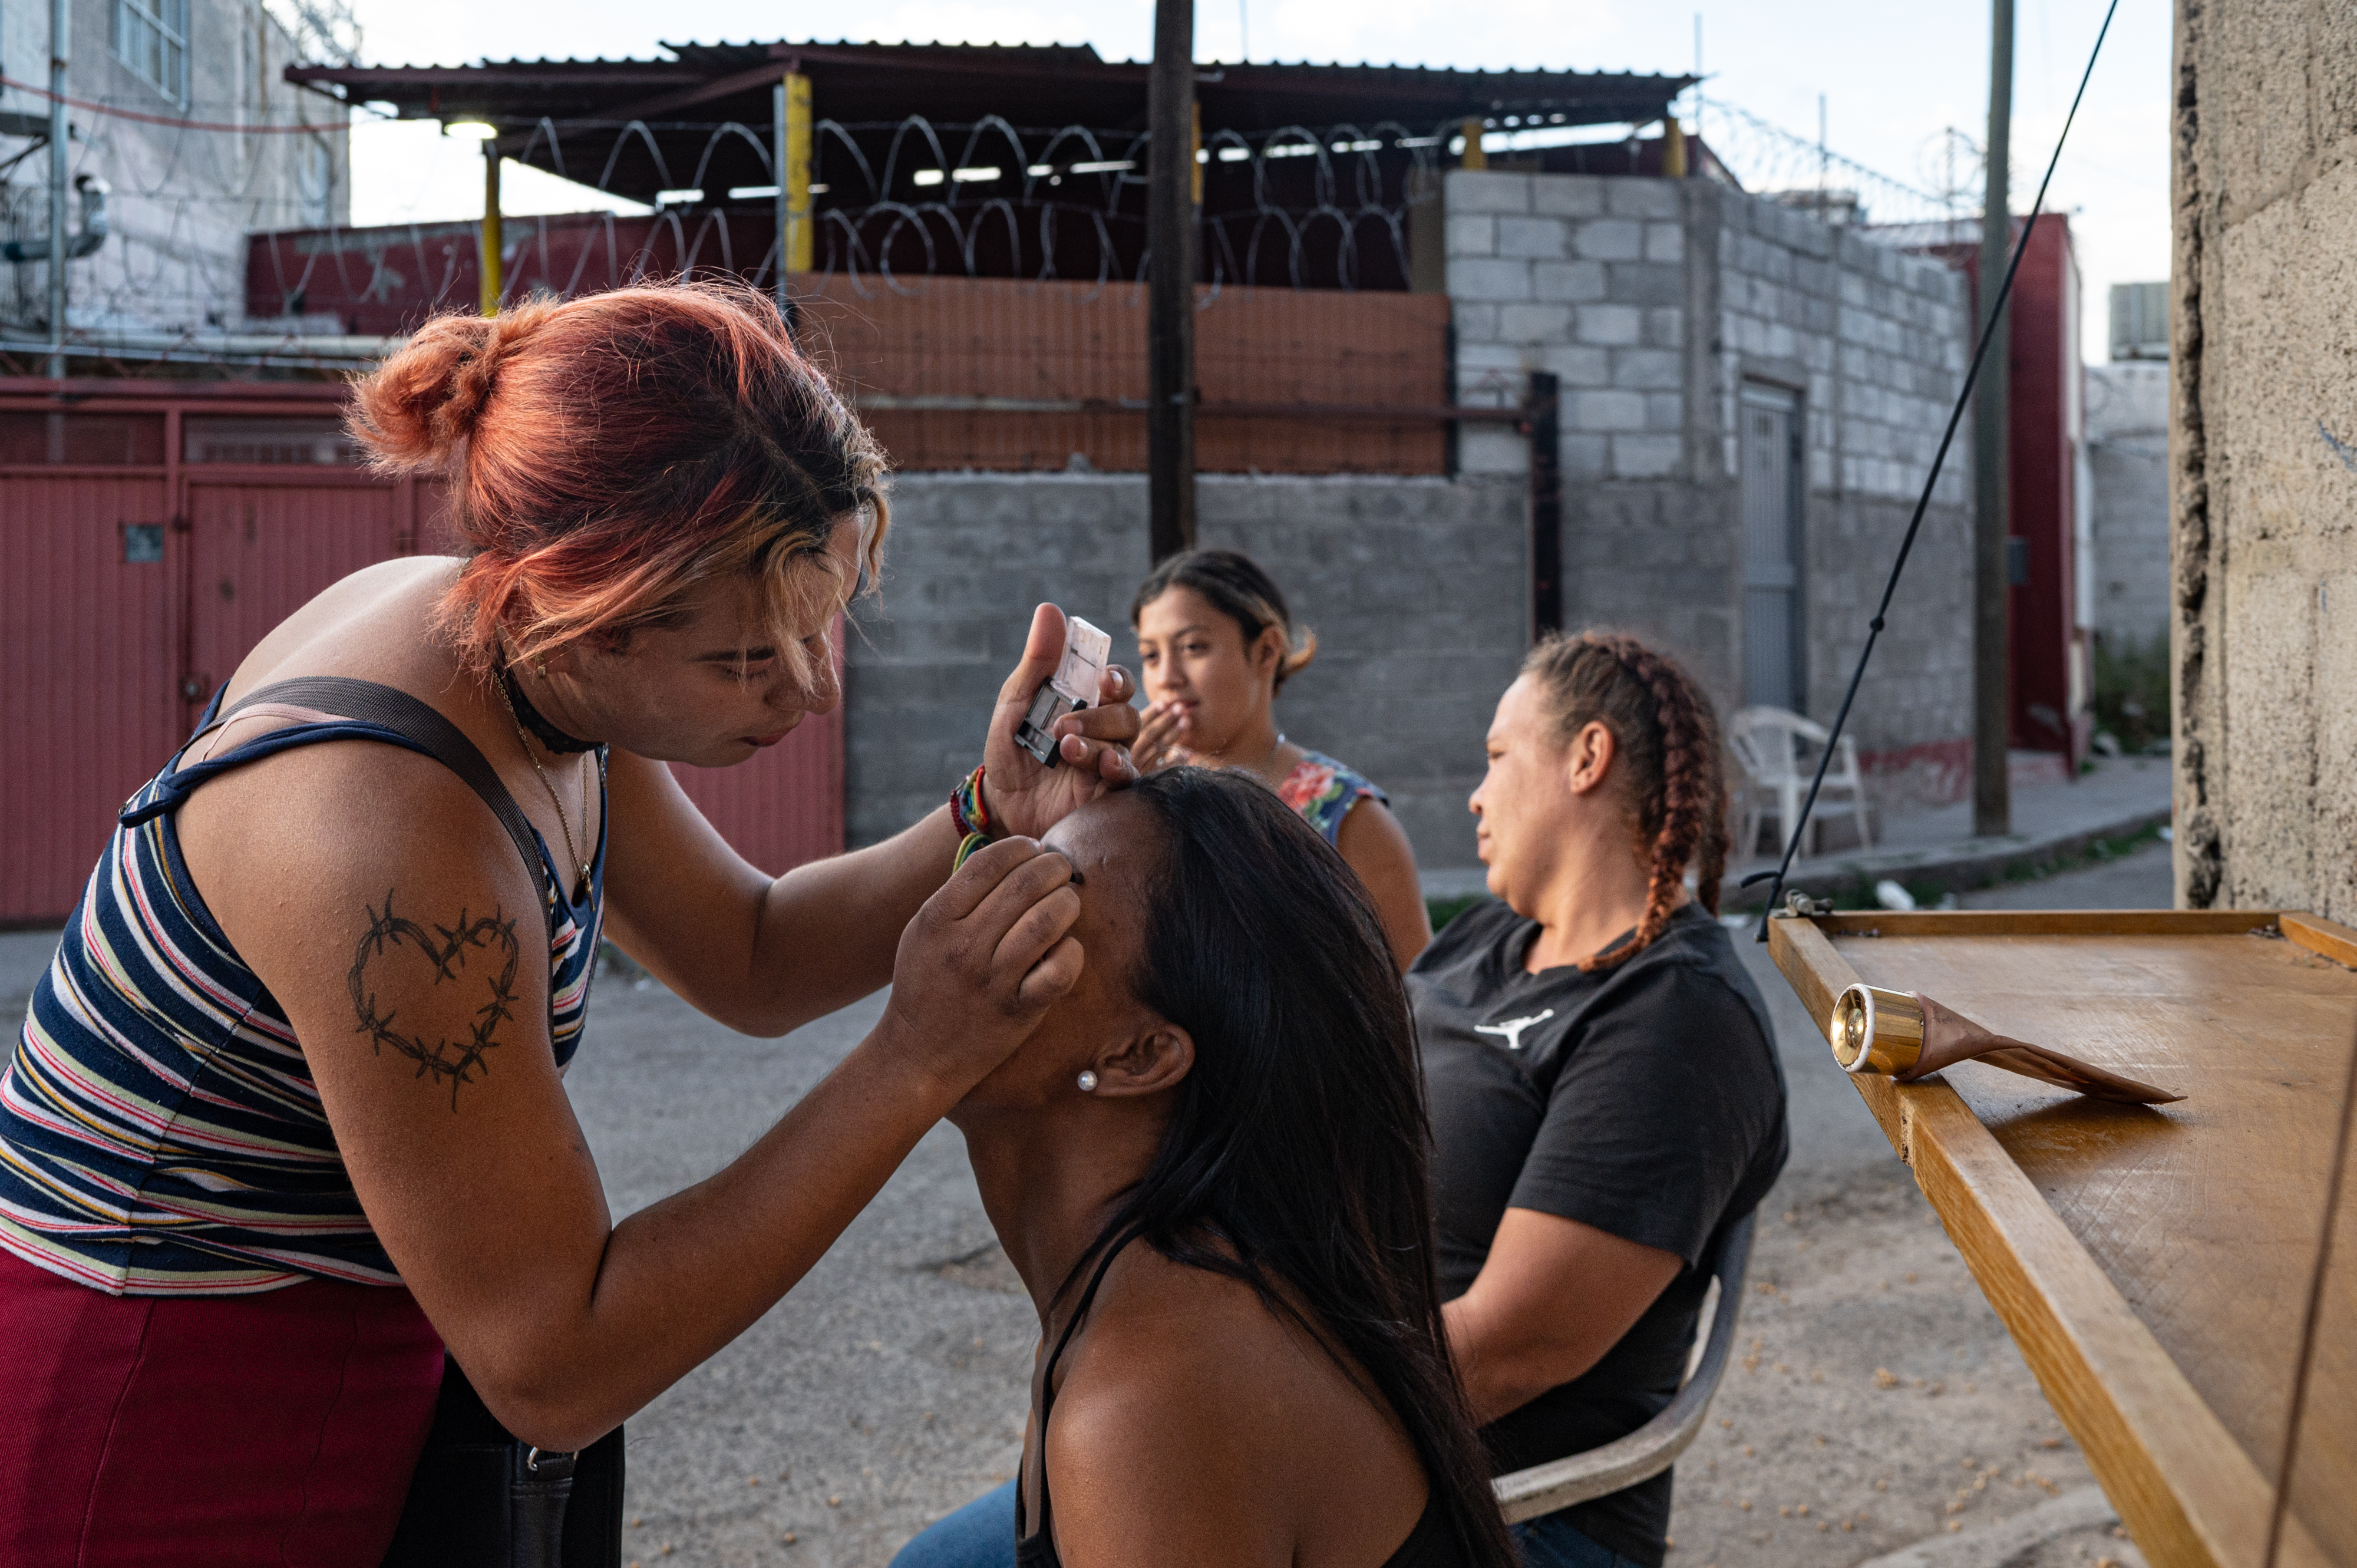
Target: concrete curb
[(1949, 868), (1953, 867), (1996, 1545)]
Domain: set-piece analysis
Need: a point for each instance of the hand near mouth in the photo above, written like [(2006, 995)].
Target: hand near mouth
[(1161, 740)]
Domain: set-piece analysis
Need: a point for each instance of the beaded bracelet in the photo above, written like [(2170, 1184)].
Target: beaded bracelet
[(970, 818)]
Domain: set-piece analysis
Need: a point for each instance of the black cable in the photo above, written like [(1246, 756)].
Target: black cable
[(1915, 523)]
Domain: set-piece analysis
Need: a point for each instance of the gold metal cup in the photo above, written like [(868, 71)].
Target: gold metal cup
[(1876, 1031)]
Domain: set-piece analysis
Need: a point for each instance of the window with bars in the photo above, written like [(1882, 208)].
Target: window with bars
[(151, 37)]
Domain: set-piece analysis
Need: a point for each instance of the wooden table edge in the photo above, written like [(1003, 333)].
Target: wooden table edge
[(2137, 1418)]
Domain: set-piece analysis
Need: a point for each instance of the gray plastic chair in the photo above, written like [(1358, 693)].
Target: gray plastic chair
[(1654, 1446)]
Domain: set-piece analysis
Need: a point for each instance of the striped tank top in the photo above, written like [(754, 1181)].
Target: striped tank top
[(160, 1134)]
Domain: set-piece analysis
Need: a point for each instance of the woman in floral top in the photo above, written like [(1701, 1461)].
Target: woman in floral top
[(1215, 644)]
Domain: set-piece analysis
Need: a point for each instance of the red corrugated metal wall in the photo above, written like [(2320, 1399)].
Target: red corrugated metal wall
[(88, 699), (136, 576)]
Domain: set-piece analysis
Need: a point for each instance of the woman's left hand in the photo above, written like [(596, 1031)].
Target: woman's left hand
[(1027, 797)]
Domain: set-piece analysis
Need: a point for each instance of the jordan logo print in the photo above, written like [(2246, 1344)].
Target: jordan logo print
[(1511, 1031)]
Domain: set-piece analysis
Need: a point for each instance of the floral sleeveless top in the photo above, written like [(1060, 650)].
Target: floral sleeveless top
[(1323, 790)]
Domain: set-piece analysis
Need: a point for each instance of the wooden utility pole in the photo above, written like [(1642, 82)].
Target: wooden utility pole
[(1170, 199), (1992, 472)]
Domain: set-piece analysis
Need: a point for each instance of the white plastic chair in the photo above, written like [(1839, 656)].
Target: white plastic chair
[(1654, 1446), (1778, 751)]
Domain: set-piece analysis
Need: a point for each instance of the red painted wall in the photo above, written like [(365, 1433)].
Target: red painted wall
[(105, 662), (2045, 374)]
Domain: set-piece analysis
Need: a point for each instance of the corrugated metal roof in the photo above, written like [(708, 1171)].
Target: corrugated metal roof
[(1053, 84)]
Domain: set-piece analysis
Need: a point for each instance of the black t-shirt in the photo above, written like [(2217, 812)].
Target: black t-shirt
[(1643, 1099)]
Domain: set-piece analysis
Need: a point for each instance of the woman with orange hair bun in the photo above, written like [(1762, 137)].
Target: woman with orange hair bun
[(287, 1120)]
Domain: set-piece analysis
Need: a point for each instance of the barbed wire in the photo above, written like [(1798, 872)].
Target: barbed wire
[(1769, 161), (195, 206)]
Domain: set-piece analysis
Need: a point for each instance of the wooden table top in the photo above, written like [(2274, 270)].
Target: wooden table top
[(2155, 1263)]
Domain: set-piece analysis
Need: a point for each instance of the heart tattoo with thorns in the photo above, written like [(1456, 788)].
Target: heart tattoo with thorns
[(449, 951)]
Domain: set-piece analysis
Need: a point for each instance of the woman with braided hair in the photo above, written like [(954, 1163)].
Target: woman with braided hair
[(1605, 1097)]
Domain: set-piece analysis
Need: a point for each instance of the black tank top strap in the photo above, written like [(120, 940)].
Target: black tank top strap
[(367, 711), (1037, 1550)]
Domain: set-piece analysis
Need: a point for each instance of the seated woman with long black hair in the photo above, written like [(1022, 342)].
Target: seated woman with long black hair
[(1208, 1165)]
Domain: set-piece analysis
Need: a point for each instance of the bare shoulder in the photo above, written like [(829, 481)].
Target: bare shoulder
[(1174, 1418), (294, 855), (1200, 1424), (1369, 829), (374, 624)]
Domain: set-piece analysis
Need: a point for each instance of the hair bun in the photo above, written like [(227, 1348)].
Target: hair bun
[(427, 398), (1297, 657)]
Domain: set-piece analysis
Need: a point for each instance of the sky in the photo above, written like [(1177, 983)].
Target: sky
[(1893, 78)]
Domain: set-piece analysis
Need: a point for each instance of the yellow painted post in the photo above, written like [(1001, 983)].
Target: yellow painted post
[(800, 232), (1674, 149), (491, 242), (1474, 157)]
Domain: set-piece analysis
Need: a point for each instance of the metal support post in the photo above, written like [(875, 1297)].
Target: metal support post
[(779, 202), (1992, 474), (494, 285), (60, 43), (1473, 157), (1542, 421), (1171, 184), (796, 182)]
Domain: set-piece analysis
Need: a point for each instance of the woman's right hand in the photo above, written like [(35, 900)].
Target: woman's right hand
[(983, 961), (1161, 738)]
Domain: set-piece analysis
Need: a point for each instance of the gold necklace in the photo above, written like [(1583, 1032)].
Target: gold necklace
[(581, 888)]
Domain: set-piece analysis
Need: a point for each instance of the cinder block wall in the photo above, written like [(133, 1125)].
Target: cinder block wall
[(1654, 300), (2127, 459), (2262, 450), (1418, 590)]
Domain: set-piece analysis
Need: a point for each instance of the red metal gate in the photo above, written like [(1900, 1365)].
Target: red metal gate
[(149, 539)]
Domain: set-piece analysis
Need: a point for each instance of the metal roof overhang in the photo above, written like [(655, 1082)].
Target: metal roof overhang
[(960, 84)]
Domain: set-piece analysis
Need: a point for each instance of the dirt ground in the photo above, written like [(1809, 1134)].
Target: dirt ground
[(1879, 1402)]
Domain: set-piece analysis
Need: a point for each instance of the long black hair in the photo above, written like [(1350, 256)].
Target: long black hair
[(1300, 1138)]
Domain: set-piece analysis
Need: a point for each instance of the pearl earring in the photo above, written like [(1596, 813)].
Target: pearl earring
[(1088, 1082)]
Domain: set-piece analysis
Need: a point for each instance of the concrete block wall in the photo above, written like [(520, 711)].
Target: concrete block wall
[(2262, 450), (2128, 458), (1875, 341), (1655, 301), (176, 259), (1417, 588)]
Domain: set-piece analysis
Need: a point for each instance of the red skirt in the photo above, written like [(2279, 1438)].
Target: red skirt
[(187, 1432)]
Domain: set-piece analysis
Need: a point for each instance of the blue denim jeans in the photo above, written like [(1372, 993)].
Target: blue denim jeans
[(979, 1535), (982, 1535), (1549, 1541)]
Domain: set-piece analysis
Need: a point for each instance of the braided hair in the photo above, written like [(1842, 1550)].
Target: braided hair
[(1666, 738)]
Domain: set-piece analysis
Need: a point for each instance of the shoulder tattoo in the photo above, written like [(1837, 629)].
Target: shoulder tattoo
[(479, 951)]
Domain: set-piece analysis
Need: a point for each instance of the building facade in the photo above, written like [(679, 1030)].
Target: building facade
[(1751, 401), (2127, 451), (182, 111)]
